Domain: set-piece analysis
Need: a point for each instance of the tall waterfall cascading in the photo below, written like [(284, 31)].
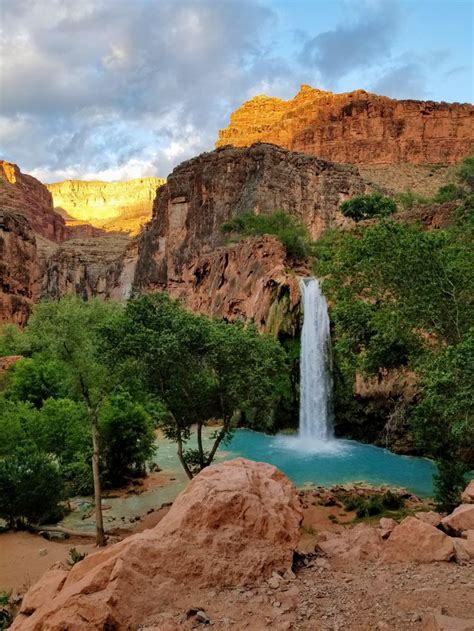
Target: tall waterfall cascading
[(315, 366)]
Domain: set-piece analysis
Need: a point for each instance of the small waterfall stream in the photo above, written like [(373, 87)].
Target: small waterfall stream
[(315, 366)]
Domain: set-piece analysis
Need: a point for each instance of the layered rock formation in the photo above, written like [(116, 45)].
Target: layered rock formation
[(356, 127), (183, 249), (25, 195), (234, 524), (88, 267), (114, 206), (19, 268)]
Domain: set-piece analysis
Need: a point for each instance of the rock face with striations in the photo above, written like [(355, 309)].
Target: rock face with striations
[(356, 127), (182, 250), (233, 525), (19, 268), (115, 206), (25, 195)]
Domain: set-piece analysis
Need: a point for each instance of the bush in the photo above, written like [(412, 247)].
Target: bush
[(368, 207), (408, 199), (465, 173), (449, 484), (448, 193), (287, 228), (30, 486), (126, 432)]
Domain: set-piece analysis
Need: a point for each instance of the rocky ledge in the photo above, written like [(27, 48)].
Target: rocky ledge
[(356, 127)]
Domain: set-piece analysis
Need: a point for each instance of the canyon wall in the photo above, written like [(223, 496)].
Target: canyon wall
[(25, 195), (114, 206), (356, 127), (183, 251), (19, 268)]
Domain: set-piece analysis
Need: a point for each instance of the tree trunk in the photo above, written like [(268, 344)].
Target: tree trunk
[(202, 464), (181, 457), (100, 534), (218, 441)]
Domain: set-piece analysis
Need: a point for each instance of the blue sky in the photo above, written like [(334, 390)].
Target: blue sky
[(113, 89)]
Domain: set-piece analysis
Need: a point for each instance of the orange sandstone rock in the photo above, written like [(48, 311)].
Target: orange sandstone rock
[(234, 524), (415, 540), (356, 127)]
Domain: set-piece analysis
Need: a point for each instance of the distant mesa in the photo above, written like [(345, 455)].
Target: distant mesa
[(112, 206), (356, 127)]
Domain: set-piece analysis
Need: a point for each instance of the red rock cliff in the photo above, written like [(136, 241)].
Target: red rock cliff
[(183, 250), (356, 127), (25, 195), (19, 268)]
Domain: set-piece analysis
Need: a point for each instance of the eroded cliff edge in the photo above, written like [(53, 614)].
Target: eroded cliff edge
[(356, 127), (183, 251)]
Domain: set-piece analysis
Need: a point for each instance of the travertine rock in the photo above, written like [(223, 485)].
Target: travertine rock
[(415, 540), (247, 280), (356, 127), (19, 268), (115, 206), (234, 524)]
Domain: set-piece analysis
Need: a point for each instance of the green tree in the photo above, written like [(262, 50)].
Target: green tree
[(368, 206), (37, 378), (443, 418), (67, 332), (199, 368), (30, 486), (127, 437)]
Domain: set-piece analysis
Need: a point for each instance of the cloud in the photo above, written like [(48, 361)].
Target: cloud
[(365, 40), (95, 83)]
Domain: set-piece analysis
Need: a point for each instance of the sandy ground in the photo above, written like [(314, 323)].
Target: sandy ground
[(24, 557)]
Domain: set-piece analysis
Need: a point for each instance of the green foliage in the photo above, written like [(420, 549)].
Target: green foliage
[(448, 193), (200, 369), (126, 431), (374, 504), (75, 557), (408, 199), (37, 378), (6, 616), (368, 206), (287, 228), (465, 173), (443, 419), (30, 486), (402, 297), (450, 481), (12, 341)]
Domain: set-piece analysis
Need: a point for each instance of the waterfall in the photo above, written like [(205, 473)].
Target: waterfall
[(315, 365)]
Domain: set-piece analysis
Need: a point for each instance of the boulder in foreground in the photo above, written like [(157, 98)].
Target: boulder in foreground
[(467, 496), (460, 520), (235, 523), (415, 540)]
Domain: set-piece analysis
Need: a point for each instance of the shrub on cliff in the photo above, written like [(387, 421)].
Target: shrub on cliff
[(287, 228), (368, 206)]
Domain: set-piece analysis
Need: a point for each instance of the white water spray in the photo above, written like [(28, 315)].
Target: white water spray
[(315, 366)]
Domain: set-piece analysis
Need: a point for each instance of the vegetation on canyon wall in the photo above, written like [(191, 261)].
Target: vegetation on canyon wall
[(368, 206), (288, 229), (96, 377), (401, 300)]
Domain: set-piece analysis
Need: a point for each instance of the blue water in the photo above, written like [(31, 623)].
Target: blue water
[(341, 462)]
